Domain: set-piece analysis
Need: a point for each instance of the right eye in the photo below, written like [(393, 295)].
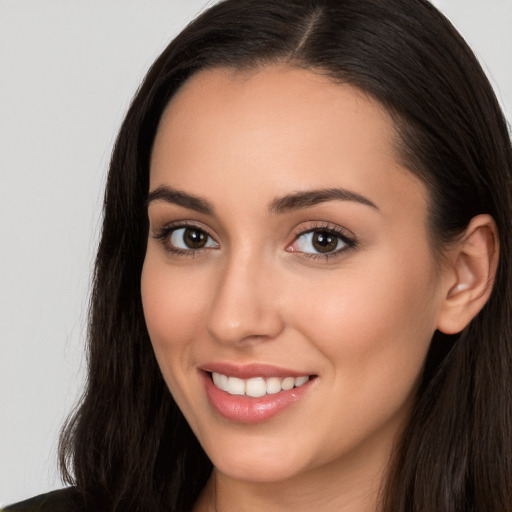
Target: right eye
[(190, 239), (184, 240)]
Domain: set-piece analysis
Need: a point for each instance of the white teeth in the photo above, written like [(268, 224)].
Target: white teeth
[(257, 386), (288, 383), (273, 385), (221, 381), (236, 386), (300, 380)]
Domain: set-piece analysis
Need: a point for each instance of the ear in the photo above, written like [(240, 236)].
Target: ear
[(473, 262)]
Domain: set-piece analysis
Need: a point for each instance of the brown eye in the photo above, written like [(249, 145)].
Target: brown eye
[(194, 239), (191, 238), (324, 241)]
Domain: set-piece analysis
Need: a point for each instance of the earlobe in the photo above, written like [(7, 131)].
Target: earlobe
[(474, 261)]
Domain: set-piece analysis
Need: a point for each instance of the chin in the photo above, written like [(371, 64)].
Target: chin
[(258, 471), (260, 460)]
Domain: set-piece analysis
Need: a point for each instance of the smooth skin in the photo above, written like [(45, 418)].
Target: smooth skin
[(256, 289)]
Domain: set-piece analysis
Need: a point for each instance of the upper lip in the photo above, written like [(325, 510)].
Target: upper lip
[(249, 371)]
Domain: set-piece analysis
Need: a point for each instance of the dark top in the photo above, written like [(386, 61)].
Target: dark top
[(63, 500)]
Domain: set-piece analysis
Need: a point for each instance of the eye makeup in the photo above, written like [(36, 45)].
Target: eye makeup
[(317, 240)]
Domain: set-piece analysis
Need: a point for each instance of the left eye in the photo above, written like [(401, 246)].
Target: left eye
[(191, 238), (320, 242)]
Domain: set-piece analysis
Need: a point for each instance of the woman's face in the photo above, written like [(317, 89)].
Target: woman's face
[(287, 243)]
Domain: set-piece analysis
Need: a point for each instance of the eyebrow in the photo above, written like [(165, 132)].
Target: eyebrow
[(310, 198), (280, 205), (169, 195)]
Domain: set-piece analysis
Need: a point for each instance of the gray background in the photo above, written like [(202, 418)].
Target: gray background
[(68, 69)]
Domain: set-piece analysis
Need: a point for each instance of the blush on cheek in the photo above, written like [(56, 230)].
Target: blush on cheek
[(375, 318), (168, 301)]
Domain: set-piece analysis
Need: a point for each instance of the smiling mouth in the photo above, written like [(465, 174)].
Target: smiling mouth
[(257, 387)]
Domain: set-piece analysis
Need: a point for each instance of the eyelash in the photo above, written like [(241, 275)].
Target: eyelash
[(350, 242), (163, 236)]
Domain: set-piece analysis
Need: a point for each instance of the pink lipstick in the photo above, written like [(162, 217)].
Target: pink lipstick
[(253, 393)]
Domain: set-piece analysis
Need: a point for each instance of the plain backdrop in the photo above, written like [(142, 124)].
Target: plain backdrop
[(68, 69)]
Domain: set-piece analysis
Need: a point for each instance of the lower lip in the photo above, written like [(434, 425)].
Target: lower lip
[(246, 409)]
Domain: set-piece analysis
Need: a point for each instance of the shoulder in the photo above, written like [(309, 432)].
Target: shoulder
[(63, 500)]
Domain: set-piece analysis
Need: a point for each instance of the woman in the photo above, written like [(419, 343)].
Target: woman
[(307, 242)]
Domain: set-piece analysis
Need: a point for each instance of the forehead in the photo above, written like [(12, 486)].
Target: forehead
[(305, 106), (277, 129)]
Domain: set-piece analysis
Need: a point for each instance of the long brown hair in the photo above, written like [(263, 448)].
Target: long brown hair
[(128, 447)]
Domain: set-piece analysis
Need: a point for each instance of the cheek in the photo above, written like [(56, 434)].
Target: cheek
[(374, 328), (173, 305)]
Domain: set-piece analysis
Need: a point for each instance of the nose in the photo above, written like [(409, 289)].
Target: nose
[(245, 303)]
